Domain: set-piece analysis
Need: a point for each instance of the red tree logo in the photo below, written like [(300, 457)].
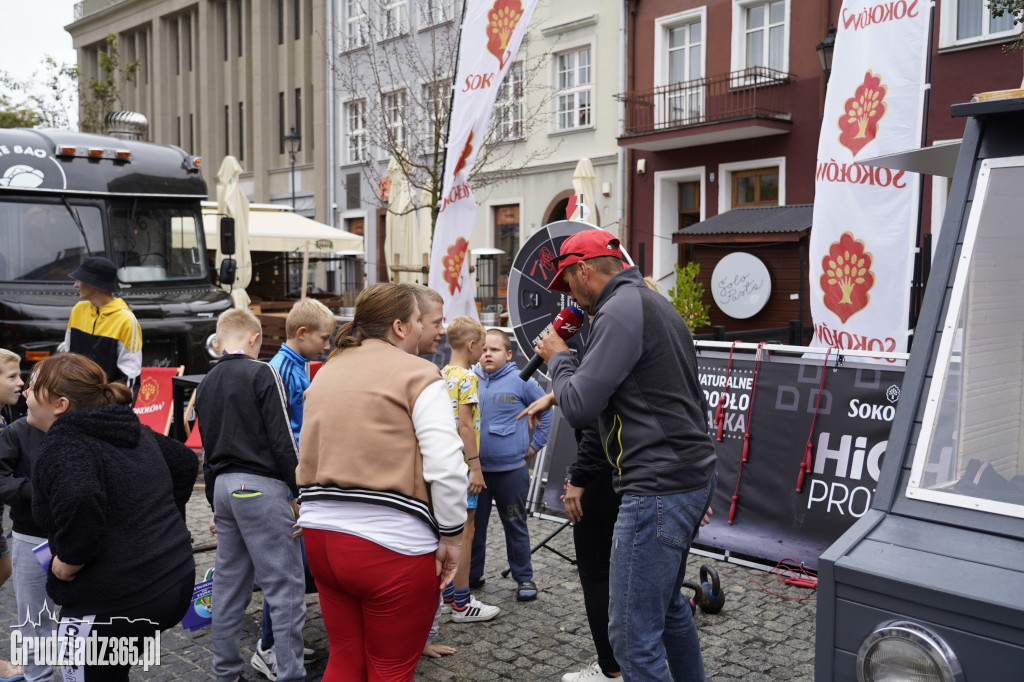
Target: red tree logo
[(859, 123), (467, 149), (148, 390), (452, 264), (502, 20), (846, 277)]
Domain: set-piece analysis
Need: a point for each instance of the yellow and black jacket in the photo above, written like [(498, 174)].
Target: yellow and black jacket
[(110, 335)]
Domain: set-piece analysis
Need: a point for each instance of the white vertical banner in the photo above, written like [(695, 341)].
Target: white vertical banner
[(865, 218), (492, 31)]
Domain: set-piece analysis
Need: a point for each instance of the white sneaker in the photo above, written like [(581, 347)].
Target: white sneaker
[(592, 673), (446, 607), (474, 612), (264, 661)]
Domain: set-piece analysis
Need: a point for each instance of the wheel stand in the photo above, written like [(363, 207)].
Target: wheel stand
[(544, 543)]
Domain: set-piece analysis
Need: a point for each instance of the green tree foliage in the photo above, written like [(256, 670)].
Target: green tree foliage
[(102, 95), (45, 101), (686, 297), (1014, 8)]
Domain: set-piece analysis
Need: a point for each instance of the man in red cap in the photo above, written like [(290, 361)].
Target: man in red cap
[(638, 381)]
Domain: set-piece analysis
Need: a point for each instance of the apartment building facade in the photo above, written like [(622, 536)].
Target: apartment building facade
[(227, 77), (723, 111), (556, 106)]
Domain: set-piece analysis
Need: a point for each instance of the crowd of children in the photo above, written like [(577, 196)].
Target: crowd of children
[(252, 416)]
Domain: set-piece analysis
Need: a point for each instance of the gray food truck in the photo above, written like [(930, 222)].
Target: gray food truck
[(65, 196), (929, 583)]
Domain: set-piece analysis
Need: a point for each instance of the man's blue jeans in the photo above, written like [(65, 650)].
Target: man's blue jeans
[(649, 618)]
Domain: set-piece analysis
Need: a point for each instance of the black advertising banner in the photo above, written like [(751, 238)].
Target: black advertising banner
[(851, 419), (772, 521)]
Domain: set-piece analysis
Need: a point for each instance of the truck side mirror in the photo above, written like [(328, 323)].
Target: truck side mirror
[(227, 236), (227, 271)]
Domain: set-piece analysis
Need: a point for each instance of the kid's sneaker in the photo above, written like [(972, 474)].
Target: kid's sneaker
[(264, 661), (475, 612)]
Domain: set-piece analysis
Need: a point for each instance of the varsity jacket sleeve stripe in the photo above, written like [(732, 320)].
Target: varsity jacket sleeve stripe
[(277, 419), (444, 470), (129, 350)]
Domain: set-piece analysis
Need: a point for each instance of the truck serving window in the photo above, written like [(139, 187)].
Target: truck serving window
[(155, 243), (43, 242), (971, 449)]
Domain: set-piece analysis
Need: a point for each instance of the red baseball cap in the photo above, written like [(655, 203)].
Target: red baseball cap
[(583, 246)]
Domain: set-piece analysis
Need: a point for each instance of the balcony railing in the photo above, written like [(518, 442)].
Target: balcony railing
[(751, 93)]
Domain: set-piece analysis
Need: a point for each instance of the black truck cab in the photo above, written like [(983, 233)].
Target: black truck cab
[(929, 584), (65, 196)]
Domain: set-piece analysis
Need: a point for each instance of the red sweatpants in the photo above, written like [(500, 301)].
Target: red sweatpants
[(377, 605)]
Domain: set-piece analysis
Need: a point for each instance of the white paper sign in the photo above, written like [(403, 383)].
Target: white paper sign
[(741, 285)]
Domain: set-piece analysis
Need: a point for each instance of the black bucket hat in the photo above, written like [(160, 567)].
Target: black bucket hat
[(97, 272)]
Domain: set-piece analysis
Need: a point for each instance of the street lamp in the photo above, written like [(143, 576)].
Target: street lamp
[(825, 49), (292, 141)]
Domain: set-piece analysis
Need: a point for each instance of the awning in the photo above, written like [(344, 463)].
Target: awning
[(277, 229), (750, 225), (939, 159)]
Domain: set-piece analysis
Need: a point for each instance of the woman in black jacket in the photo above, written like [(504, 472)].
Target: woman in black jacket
[(110, 495)]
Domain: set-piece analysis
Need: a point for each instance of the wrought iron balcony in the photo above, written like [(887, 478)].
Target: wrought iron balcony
[(755, 92)]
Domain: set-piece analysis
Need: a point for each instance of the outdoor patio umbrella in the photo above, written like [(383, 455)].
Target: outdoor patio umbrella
[(583, 184), (401, 239), (423, 217), (231, 201)]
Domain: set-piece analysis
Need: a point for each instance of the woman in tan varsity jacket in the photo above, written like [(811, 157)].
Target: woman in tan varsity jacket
[(382, 488)]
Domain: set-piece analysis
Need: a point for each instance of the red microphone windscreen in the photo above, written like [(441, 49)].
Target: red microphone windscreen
[(568, 322)]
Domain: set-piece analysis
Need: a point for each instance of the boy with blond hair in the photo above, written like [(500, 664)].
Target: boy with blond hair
[(10, 390), (466, 338), (308, 328), (249, 468)]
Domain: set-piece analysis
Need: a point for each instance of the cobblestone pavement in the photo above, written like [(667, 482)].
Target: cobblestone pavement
[(756, 637)]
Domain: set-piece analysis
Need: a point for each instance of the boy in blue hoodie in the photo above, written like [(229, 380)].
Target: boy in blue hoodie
[(505, 449)]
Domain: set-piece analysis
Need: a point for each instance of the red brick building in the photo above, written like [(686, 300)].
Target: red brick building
[(723, 111)]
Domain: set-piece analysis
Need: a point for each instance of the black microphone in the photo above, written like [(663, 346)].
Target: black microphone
[(566, 325)]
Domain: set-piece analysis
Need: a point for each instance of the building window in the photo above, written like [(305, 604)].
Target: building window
[(241, 131), (508, 109), (297, 11), (227, 130), (176, 42), (393, 18), (240, 24), (355, 133), (188, 40), (280, 122), (761, 35), (689, 204), (506, 238), (574, 89), (435, 99), (682, 47), (395, 105), (758, 187), (298, 116), (963, 22), (437, 11), (355, 24), (223, 11), (280, 22)]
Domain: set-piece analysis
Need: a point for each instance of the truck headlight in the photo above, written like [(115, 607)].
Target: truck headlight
[(211, 346), (904, 650)]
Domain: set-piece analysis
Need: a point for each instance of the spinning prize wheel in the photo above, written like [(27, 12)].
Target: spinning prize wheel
[(531, 306)]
